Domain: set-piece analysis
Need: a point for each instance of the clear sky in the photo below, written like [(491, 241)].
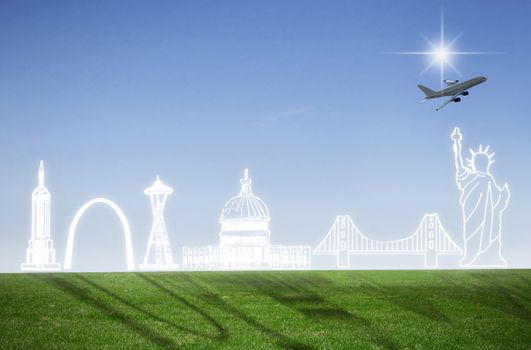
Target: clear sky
[(303, 93)]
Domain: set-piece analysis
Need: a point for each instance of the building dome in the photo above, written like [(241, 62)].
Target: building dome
[(245, 205), (245, 215)]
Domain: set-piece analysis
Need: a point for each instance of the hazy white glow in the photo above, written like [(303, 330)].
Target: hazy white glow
[(40, 255), (345, 239), (482, 204), (158, 252), (441, 55), (123, 220)]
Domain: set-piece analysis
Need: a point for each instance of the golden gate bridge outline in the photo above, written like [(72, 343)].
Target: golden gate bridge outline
[(430, 239)]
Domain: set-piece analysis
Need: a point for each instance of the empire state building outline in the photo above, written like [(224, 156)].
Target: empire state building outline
[(40, 255)]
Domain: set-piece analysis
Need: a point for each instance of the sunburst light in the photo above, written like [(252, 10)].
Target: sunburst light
[(442, 54)]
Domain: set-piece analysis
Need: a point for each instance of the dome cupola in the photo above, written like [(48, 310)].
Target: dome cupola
[(245, 218)]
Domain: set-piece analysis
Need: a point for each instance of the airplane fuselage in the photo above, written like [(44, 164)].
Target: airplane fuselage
[(458, 88)]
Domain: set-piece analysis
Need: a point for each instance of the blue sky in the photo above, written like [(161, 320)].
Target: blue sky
[(301, 92)]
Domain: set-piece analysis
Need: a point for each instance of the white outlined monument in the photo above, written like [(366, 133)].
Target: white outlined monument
[(430, 239), (245, 239), (40, 255), (123, 221), (158, 252), (245, 235), (482, 203)]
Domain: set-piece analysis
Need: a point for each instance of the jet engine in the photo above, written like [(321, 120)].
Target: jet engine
[(465, 93), (451, 81), (458, 99)]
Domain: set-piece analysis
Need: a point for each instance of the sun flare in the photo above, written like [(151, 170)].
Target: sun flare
[(442, 55)]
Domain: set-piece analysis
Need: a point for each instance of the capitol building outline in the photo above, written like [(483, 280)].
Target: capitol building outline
[(244, 239)]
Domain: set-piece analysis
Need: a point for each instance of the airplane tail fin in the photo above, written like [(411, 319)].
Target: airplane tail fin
[(427, 91)]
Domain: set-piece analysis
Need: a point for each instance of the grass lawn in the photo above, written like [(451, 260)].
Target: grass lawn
[(267, 310)]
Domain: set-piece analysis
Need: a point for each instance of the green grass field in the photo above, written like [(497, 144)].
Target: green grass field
[(267, 310)]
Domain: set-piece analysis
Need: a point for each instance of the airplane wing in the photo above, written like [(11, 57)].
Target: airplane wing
[(448, 101)]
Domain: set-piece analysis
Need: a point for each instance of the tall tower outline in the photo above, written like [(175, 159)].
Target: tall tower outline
[(158, 252), (40, 255)]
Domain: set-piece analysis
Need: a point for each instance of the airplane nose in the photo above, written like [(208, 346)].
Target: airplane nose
[(484, 78)]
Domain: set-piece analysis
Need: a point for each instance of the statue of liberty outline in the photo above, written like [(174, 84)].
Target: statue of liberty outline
[(483, 203)]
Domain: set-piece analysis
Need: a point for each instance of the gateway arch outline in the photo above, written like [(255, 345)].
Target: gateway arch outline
[(123, 221)]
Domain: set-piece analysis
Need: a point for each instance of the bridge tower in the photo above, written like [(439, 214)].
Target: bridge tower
[(430, 226), (343, 256), (340, 241), (158, 253)]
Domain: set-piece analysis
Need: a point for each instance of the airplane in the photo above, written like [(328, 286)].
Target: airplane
[(454, 90)]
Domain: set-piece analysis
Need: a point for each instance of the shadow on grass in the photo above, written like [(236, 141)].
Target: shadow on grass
[(215, 300), (526, 282), (487, 290), (300, 294), (495, 294), (520, 287), (85, 296), (219, 328), (413, 299)]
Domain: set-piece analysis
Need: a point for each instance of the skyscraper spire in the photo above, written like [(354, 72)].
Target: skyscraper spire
[(41, 174), (246, 183)]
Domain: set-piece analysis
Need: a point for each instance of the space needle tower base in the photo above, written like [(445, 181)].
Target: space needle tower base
[(158, 253)]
